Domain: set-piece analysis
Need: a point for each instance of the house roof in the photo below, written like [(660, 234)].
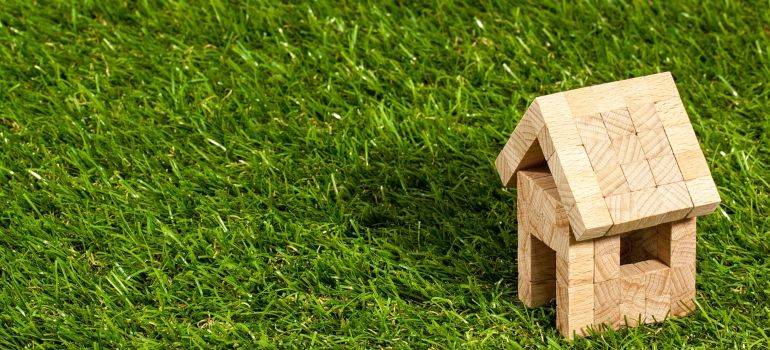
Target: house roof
[(624, 155)]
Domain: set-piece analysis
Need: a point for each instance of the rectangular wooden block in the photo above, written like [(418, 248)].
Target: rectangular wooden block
[(607, 303), (704, 195), (657, 290), (644, 116), (677, 201), (638, 175), (575, 309), (628, 148), (606, 258), (601, 154), (655, 143), (591, 128), (682, 290), (672, 112), (632, 299), (692, 164), (612, 181), (665, 170), (590, 219), (618, 123)]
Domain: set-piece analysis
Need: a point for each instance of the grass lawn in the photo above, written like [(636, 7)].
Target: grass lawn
[(195, 174)]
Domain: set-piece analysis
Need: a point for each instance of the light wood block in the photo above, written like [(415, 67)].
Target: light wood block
[(606, 258), (628, 148), (661, 86), (612, 181), (655, 143), (682, 290), (575, 266), (591, 128), (676, 198), (545, 142), (651, 207), (574, 175), (677, 243), (576, 308), (618, 123), (581, 101), (601, 154), (609, 96), (671, 112), (665, 170), (607, 303), (692, 164), (590, 219), (657, 290), (638, 175), (645, 117), (558, 117), (632, 295), (704, 195)]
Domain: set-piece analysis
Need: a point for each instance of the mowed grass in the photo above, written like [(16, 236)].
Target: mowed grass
[(205, 173)]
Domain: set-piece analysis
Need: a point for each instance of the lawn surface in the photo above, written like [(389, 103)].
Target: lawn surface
[(201, 174)]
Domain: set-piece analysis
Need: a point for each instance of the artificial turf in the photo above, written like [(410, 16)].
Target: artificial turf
[(180, 174)]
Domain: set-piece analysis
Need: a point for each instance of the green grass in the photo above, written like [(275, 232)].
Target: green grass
[(201, 174)]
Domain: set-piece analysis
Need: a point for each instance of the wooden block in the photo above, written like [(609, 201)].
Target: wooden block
[(661, 86), (665, 170), (636, 93), (677, 200), (682, 290), (522, 149), (609, 96), (655, 143), (645, 117), (574, 175), (628, 149), (560, 241), (682, 138), (704, 195), (683, 228), (590, 219), (575, 266), (612, 181), (601, 154), (683, 251), (657, 290), (545, 142), (575, 309), (591, 128), (606, 258), (632, 294), (558, 119), (581, 101), (651, 207), (623, 212), (638, 175), (618, 123), (671, 112), (692, 164), (607, 303)]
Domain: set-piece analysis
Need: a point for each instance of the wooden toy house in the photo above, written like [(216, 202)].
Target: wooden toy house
[(610, 179)]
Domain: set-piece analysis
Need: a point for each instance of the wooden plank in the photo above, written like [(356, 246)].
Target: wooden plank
[(609, 96), (638, 175), (557, 117), (661, 86), (574, 175), (704, 195), (606, 258), (628, 148), (632, 295), (623, 213), (522, 149)]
